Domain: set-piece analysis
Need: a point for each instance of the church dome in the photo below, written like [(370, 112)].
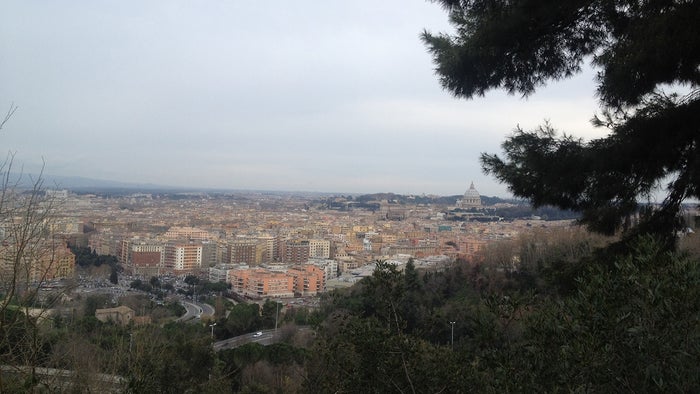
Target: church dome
[(471, 198)]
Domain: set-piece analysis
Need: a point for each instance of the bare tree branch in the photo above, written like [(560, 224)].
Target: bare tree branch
[(8, 115)]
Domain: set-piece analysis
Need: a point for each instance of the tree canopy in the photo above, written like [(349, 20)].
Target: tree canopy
[(647, 56)]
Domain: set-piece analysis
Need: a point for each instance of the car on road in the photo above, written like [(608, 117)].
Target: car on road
[(257, 334)]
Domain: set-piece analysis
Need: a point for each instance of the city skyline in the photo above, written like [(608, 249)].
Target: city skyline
[(296, 97)]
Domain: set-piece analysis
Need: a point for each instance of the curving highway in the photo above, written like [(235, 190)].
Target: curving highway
[(195, 310), (267, 338)]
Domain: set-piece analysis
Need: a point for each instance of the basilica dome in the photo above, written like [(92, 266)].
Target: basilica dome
[(471, 198)]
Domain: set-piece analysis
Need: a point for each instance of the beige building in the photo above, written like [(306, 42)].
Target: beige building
[(269, 245), (121, 315), (58, 262), (319, 249), (46, 261), (186, 233), (182, 257)]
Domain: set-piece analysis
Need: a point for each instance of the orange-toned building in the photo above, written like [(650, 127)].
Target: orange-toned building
[(470, 247), (304, 280), (308, 279), (54, 263), (47, 261), (260, 283)]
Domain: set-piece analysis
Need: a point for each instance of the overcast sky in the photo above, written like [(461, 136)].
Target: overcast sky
[(331, 96)]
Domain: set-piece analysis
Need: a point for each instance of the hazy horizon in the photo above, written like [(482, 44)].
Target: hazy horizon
[(274, 96), (78, 183)]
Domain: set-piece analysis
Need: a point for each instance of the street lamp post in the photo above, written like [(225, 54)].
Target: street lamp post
[(452, 335), (212, 330), (277, 314)]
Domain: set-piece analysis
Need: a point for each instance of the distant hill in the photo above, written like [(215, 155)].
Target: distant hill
[(79, 184), (436, 200), (491, 206), (101, 186), (76, 182)]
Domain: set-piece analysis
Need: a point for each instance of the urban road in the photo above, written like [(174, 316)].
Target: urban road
[(195, 310), (267, 337)]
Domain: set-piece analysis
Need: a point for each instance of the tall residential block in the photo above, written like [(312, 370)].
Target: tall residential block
[(319, 249), (146, 258), (295, 251), (182, 257), (246, 251)]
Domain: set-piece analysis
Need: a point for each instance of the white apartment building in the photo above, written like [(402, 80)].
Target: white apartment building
[(147, 248), (329, 267), (221, 273)]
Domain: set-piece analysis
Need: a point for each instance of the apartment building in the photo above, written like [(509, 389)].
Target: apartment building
[(123, 250), (182, 257), (66, 226), (105, 243), (56, 262), (221, 273), (190, 233), (348, 263), (270, 248), (319, 249), (260, 283), (210, 253), (146, 258), (295, 251), (246, 251), (308, 279), (48, 261), (414, 247), (471, 246), (329, 267)]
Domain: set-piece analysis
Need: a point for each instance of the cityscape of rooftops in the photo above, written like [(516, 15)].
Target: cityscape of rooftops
[(349, 197)]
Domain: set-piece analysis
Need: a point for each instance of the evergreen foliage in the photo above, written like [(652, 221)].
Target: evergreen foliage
[(566, 319), (242, 319), (646, 53), (631, 325), (85, 257)]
